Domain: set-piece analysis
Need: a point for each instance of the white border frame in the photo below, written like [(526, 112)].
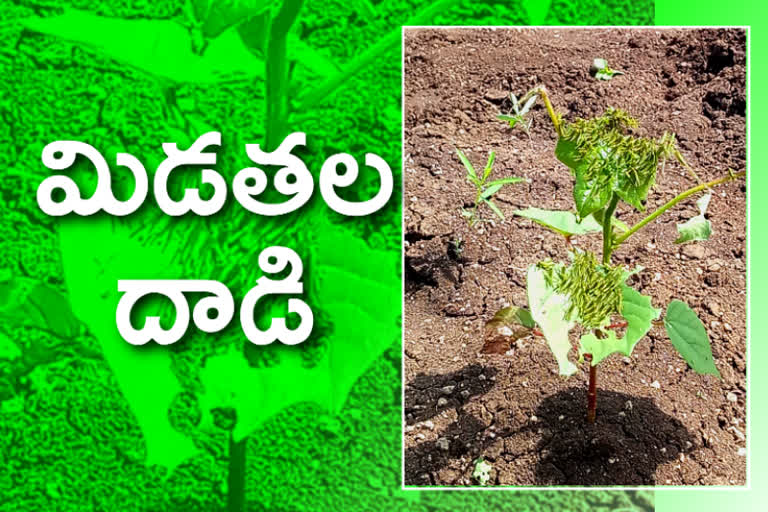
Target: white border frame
[(737, 488)]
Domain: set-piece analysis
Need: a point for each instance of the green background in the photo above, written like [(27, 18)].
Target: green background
[(88, 423), (753, 14)]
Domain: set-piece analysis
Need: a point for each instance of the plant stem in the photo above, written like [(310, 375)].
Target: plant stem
[(608, 229), (550, 110), (473, 219), (278, 73), (236, 475), (674, 201), (330, 85), (592, 391)]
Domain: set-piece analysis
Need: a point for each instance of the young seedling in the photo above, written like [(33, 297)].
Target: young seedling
[(601, 71), (484, 189), (482, 472), (517, 117), (609, 164)]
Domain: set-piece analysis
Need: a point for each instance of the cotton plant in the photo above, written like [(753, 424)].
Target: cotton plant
[(610, 165)]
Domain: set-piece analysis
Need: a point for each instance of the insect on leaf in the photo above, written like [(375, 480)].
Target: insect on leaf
[(507, 326), (562, 222), (589, 194), (548, 309), (639, 314), (689, 337), (698, 227)]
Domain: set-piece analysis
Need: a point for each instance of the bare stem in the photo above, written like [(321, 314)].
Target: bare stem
[(236, 475), (542, 91), (592, 391), (672, 202), (681, 159), (608, 229)]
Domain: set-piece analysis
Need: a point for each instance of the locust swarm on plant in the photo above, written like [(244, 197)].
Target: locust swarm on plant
[(609, 164)]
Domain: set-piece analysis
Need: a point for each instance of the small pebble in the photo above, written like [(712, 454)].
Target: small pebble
[(655, 384), (731, 397), (443, 444), (441, 402), (534, 419)]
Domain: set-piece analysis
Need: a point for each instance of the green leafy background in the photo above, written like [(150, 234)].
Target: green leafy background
[(88, 422)]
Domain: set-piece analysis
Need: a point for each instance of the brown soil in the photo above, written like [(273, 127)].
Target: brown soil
[(658, 421)]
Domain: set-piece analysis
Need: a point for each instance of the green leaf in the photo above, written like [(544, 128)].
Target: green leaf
[(548, 309), (159, 48), (607, 74), (312, 59), (639, 314), (257, 394), (689, 337), (512, 120), (143, 374), (468, 166), (698, 227), (506, 181), (482, 472), (564, 223), (601, 71), (216, 16), (513, 315), (492, 189), (254, 33), (30, 303), (537, 10), (489, 165), (506, 326), (493, 207), (528, 104)]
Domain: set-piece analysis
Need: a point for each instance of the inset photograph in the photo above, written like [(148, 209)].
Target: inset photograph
[(575, 208)]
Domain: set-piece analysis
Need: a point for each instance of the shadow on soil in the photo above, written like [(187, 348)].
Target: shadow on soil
[(426, 396), (627, 443), (629, 440)]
